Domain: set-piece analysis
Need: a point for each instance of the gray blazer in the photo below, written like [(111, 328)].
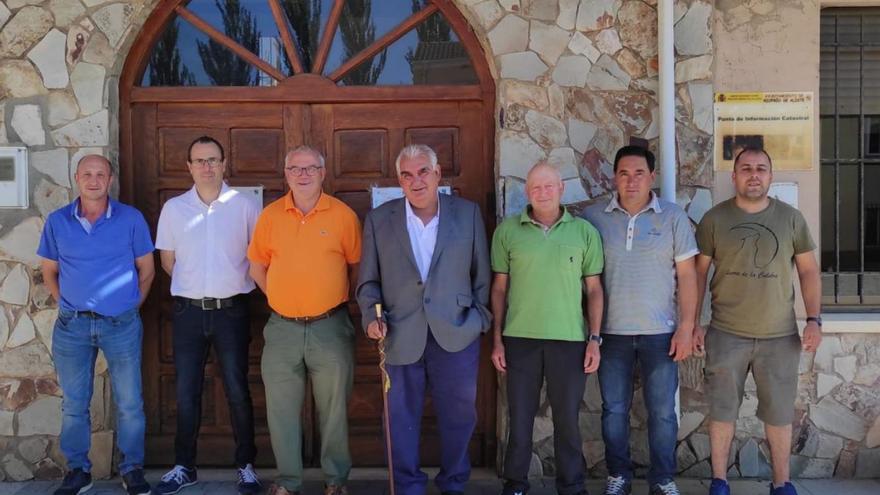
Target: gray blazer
[(451, 302)]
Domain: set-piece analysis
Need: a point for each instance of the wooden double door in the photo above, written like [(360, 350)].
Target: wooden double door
[(360, 141)]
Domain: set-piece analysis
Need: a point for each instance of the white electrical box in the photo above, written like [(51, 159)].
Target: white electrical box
[(13, 177)]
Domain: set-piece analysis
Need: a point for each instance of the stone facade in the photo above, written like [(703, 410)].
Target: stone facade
[(576, 79)]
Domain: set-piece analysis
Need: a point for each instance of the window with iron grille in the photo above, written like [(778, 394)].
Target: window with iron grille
[(849, 98)]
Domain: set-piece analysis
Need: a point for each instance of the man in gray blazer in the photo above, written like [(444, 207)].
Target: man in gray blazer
[(426, 260)]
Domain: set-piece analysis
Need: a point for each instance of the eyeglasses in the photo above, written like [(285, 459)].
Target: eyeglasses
[(212, 162), (298, 171)]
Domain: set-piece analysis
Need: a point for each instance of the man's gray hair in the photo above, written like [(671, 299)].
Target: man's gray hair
[(411, 151), (305, 149)]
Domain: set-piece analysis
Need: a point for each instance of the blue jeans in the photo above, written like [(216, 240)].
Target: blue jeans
[(75, 343), (659, 383), (228, 331)]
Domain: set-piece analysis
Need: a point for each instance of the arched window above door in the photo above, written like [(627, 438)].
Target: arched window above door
[(350, 42)]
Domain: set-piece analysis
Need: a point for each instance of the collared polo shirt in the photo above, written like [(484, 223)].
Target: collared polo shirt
[(307, 255), (210, 243), (546, 269), (640, 255), (96, 270), (422, 238)]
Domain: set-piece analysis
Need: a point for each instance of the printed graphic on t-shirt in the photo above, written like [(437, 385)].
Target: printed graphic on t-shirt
[(760, 245)]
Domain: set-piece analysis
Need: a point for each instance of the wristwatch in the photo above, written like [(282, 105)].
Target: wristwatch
[(817, 319), (595, 338)]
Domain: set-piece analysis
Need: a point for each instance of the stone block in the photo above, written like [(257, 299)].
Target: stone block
[(539, 9), (867, 375), (528, 95), (65, 11), (518, 154), (689, 421), (694, 155), (16, 394), (580, 134), (514, 196), (872, 439), (101, 454), (28, 124), (825, 354), (829, 446), (807, 467), (564, 160), (5, 14), (597, 14), (88, 86), (581, 45), (20, 33), (87, 131), (488, 13), (44, 322), (113, 20), (546, 131), (23, 332), (701, 446), (33, 449), (16, 286), (702, 470), (608, 41), (47, 469), (7, 423), (525, 66), (693, 69), (831, 416), (4, 328), (606, 74), (52, 163), (846, 367), (536, 469), (701, 96), (685, 456), (48, 56), (26, 361), (692, 35), (41, 417), (49, 197), (638, 28), (631, 63), (19, 79), (573, 192), (868, 463), (547, 40), (508, 35), (567, 17), (16, 469), (571, 70), (700, 204), (825, 383)]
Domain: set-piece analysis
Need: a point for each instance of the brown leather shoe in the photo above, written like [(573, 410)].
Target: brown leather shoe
[(335, 490), (276, 489)]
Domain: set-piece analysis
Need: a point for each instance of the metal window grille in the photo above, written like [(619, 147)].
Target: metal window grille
[(850, 160)]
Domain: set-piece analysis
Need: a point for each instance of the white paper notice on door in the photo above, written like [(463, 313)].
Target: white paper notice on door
[(785, 191)]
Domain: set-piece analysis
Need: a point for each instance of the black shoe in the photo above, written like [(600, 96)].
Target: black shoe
[(75, 482), (134, 483), (513, 489)]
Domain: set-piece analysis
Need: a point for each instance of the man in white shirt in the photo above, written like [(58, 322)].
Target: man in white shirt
[(425, 259), (203, 236)]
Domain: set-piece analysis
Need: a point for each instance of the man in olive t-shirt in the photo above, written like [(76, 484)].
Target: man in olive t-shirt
[(754, 242)]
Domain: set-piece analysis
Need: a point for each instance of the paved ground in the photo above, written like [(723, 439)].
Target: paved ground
[(370, 482)]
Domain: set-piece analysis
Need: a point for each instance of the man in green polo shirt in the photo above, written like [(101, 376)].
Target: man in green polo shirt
[(540, 259)]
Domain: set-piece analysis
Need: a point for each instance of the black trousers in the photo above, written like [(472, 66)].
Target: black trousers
[(228, 331), (529, 362)]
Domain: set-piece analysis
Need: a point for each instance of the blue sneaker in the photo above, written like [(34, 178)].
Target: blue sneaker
[(719, 487), (177, 479), (786, 489), (75, 482)]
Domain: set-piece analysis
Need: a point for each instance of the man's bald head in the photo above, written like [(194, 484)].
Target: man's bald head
[(543, 170), (95, 159)]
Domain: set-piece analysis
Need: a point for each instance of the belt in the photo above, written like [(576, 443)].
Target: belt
[(210, 303), (89, 314), (309, 319)]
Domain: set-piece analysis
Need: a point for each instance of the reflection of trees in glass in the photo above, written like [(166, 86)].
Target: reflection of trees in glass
[(305, 19), (358, 32), (435, 28), (165, 66), (223, 67)]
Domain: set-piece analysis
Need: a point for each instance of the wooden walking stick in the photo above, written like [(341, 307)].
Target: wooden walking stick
[(386, 386)]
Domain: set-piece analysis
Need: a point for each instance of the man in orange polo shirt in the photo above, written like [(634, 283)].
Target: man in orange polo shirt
[(304, 252)]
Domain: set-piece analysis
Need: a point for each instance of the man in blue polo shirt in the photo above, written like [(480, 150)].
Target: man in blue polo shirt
[(98, 264), (650, 280)]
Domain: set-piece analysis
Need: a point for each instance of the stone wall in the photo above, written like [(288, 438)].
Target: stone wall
[(59, 67), (576, 79)]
